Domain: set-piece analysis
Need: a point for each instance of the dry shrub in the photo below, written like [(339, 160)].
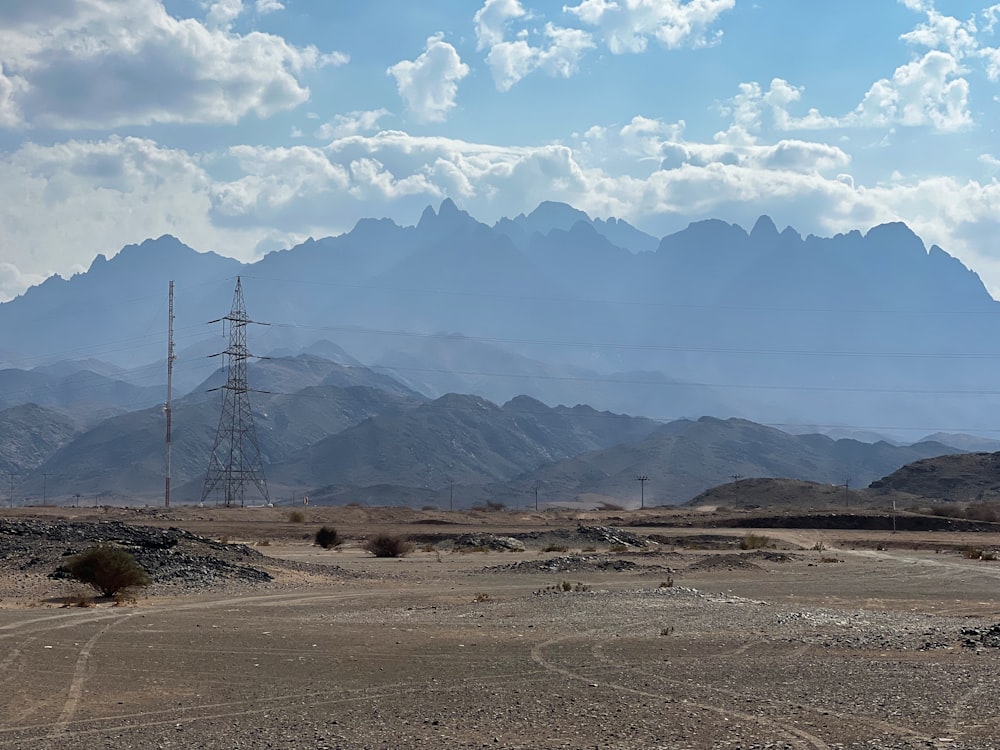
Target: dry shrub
[(328, 538), (296, 516), (755, 541), (387, 545), (107, 568)]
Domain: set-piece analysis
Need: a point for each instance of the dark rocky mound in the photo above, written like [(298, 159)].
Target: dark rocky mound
[(967, 477), (492, 542), (574, 564), (173, 557)]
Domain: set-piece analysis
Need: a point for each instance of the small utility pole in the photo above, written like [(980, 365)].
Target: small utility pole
[(536, 496), (642, 479), (45, 483), (11, 488), (167, 407), (736, 478), (847, 497), (451, 494)]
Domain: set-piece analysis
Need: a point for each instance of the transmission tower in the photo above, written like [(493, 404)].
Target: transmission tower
[(235, 461)]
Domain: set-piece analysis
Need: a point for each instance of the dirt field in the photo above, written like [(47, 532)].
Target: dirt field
[(827, 640)]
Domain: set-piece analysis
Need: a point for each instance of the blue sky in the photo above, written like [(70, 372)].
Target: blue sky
[(243, 126)]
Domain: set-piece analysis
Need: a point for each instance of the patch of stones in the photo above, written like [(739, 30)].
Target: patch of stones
[(574, 564), (172, 557), (492, 542)]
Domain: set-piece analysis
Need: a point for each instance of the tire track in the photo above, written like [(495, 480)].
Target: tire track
[(80, 673), (897, 730), (798, 737)]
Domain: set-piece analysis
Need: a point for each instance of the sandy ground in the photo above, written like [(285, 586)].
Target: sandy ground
[(834, 640)]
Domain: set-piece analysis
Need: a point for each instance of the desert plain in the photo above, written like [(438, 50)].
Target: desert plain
[(610, 629)]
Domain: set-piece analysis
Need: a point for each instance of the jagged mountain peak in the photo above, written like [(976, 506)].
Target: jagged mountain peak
[(764, 230)]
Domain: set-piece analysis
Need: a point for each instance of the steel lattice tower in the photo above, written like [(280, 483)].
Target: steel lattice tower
[(235, 461)]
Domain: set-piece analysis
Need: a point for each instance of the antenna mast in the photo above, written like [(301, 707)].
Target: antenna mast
[(167, 409), (235, 461)]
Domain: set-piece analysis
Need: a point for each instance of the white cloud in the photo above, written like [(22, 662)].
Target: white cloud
[(928, 92), (491, 21), (269, 6), (222, 13), (429, 84), (628, 25), (511, 61), (352, 123), (103, 63)]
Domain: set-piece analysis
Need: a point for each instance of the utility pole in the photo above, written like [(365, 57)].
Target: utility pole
[(847, 497), (11, 488), (736, 478), (167, 408), (536, 497), (45, 482), (451, 494), (235, 460), (642, 479)]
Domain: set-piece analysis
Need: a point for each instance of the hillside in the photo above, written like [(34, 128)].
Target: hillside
[(684, 458), (970, 477)]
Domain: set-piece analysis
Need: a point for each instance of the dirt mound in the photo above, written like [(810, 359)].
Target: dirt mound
[(725, 562), (573, 564)]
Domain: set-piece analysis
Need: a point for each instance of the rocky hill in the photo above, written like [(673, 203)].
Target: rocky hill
[(970, 477)]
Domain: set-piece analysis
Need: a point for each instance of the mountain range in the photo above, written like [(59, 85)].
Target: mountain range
[(370, 335)]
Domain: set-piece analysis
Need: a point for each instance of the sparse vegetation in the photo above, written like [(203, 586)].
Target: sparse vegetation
[(555, 548), (108, 569), (494, 506), (978, 553), (79, 599), (610, 506), (755, 541), (296, 516), (618, 548), (481, 597), (667, 583), (328, 538), (387, 545)]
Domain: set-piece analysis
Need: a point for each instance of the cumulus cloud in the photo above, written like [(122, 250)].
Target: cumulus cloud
[(269, 6), (429, 84), (491, 21), (101, 63), (352, 123), (511, 61), (222, 13), (926, 92), (627, 26)]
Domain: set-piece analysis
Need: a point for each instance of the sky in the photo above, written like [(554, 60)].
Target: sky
[(245, 126)]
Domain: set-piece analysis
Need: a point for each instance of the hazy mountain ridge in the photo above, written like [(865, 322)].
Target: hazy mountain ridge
[(765, 325), (686, 457)]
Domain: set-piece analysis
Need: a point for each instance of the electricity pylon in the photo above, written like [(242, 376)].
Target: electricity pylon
[(235, 461)]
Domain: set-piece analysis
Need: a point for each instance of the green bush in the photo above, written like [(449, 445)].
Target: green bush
[(109, 569), (387, 545), (328, 538)]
